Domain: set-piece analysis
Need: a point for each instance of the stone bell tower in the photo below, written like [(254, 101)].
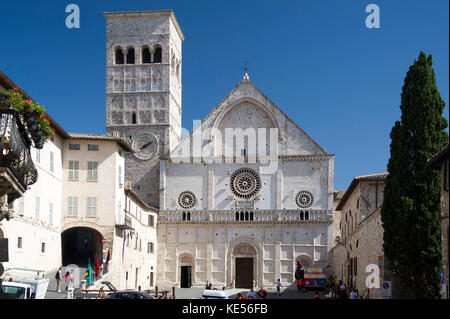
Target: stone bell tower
[(143, 91)]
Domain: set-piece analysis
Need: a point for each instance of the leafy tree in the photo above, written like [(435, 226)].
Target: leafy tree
[(411, 207)]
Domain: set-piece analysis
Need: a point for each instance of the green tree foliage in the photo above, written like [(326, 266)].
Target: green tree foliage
[(411, 208)]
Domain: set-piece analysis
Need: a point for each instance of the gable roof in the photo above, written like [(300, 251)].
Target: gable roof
[(215, 113)]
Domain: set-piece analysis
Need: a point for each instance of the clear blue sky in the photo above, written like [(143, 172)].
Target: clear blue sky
[(316, 60)]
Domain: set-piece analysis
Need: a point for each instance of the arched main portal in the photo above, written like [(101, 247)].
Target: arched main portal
[(186, 271), (81, 244), (244, 263)]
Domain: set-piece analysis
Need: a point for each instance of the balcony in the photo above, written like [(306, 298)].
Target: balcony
[(247, 216), (17, 170), (124, 223)]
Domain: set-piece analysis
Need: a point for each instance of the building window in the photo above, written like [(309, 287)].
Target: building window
[(73, 170), (130, 56), (92, 171), (119, 56), (52, 162), (151, 221), (21, 208), (150, 248), (43, 248), (120, 174), (38, 208), (133, 118), (157, 57), (72, 206), (50, 213), (38, 156), (146, 56), (19, 242), (91, 207), (92, 147), (74, 147)]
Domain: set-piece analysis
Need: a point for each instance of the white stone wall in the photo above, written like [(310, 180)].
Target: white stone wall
[(43, 229), (128, 256)]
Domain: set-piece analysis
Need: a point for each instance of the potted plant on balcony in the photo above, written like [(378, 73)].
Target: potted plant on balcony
[(31, 113)]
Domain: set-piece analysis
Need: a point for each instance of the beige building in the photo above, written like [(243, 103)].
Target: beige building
[(441, 162), (360, 241)]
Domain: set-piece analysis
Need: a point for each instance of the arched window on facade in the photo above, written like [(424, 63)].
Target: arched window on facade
[(130, 56), (119, 55), (237, 215), (157, 56), (133, 118), (146, 55), (188, 216)]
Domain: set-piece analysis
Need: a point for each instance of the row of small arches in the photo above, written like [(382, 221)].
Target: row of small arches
[(128, 55)]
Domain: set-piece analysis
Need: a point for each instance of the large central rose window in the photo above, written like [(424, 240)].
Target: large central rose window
[(245, 183)]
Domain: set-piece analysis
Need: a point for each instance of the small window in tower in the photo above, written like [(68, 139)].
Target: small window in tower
[(146, 56), (130, 56), (133, 118), (119, 56), (157, 57)]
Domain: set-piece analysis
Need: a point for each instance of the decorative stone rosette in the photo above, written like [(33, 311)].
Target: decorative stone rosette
[(304, 199), (245, 183), (187, 199)]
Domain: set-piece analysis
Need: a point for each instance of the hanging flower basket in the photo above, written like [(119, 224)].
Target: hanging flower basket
[(33, 116)]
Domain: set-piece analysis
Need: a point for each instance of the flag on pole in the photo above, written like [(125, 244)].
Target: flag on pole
[(107, 260), (101, 263), (97, 267), (89, 276)]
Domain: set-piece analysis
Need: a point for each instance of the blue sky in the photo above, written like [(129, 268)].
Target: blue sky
[(316, 60)]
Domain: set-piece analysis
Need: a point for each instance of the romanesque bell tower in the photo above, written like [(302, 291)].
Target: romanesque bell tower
[(143, 91)]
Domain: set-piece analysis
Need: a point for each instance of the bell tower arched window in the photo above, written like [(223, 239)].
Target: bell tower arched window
[(146, 55), (157, 56), (130, 56), (119, 56)]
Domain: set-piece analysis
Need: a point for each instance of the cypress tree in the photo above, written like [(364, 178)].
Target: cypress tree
[(411, 207)]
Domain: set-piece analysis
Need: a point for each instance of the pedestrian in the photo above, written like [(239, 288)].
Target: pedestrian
[(68, 280), (240, 296), (262, 293), (207, 285), (278, 283), (353, 294), (58, 279), (210, 286), (251, 294), (317, 295), (342, 291)]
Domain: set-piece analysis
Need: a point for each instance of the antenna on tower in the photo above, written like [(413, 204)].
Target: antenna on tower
[(245, 68)]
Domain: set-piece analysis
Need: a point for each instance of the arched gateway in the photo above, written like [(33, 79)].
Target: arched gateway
[(81, 244)]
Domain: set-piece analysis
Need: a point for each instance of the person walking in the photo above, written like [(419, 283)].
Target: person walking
[(58, 276), (317, 295), (68, 280), (278, 287)]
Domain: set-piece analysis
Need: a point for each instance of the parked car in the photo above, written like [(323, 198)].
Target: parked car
[(129, 295), (214, 294)]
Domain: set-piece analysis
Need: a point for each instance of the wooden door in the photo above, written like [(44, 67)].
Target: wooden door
[(244, 273)]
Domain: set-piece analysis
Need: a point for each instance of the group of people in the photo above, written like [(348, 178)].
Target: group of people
[(68, 279), (342, 291), (252, 294)]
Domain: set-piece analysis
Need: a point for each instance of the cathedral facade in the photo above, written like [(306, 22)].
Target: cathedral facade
[(244, 196)]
